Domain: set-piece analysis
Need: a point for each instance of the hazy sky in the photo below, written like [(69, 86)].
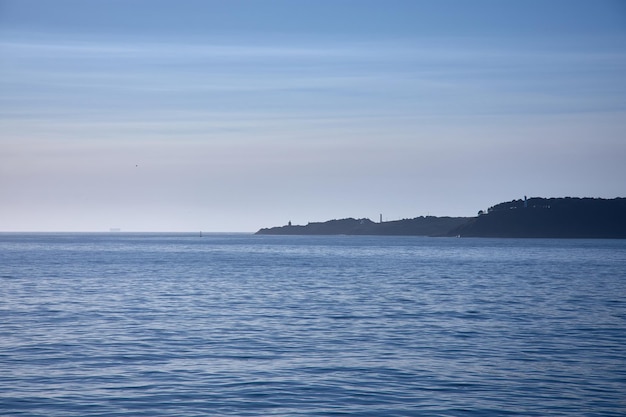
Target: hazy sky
[(234, 115)]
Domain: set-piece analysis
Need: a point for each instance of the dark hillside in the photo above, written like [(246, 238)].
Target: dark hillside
[(551, 218)]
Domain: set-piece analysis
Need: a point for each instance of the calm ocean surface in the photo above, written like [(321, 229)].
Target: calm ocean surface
[(244, 325)]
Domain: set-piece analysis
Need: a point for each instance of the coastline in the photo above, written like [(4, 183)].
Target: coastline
[(537, 217)]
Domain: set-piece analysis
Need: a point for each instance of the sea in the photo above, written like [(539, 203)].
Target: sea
[(123, 324)]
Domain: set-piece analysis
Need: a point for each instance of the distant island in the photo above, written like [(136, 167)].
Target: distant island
[(525, 218)]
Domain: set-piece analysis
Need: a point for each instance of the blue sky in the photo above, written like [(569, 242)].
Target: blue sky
[(236, 115)]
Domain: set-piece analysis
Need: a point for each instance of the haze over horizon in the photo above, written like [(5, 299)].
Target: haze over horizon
[(228, 116)]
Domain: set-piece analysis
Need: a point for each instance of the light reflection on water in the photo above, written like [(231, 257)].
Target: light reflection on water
[(159, 325)]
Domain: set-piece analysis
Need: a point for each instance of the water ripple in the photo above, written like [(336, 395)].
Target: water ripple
[(241, 325)]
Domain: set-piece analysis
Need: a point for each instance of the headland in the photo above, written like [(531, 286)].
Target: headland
[(419, 226), (569, 217)]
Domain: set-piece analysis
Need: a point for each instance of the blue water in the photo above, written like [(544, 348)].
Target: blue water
[(244, 325)]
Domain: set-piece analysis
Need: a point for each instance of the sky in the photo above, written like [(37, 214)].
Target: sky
[(230, 116)]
